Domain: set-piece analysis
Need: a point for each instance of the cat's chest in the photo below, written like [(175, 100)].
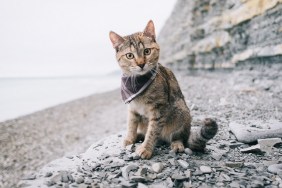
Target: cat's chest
[(140, 108)]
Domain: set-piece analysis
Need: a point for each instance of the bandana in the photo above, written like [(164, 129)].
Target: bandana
[(132, 86)]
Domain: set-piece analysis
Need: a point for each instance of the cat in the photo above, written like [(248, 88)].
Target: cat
[(157, 110)]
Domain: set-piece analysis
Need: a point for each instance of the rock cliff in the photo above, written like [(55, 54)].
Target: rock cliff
[(222, 33)]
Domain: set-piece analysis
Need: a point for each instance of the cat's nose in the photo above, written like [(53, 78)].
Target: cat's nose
[(141, 65)]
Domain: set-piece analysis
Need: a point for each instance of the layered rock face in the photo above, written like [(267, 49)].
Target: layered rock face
[(222, 33)]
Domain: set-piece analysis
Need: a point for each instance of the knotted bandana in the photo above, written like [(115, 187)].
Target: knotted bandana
[(132, 86)]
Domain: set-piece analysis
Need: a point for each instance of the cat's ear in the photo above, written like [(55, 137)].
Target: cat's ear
[(150, 30), (116, 39)]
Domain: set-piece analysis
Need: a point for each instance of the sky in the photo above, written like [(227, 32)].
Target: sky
[(45, 38)]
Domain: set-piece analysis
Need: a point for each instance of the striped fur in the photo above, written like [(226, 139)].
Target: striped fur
[(160, 112)]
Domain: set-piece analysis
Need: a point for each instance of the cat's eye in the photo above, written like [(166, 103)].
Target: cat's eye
[(129, 55), (147, 51)]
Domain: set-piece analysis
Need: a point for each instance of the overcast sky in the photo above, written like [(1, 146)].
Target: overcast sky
[(69, 37)]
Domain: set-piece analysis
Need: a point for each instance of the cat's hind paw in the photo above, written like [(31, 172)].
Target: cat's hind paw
[(143, 152), (177, 146)]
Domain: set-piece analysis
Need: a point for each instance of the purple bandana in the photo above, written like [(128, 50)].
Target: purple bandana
[(132, 86)]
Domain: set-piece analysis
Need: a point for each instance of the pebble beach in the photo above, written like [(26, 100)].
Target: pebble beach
[(242, 94)]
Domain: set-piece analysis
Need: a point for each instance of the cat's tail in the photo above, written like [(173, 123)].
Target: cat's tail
[(198, 138)]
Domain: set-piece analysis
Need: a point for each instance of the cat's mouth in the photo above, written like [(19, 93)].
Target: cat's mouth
[(142, 71)]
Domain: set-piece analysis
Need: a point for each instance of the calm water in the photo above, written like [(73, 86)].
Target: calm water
[(22, 96)]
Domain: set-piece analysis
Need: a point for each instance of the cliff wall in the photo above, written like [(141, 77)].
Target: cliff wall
[(222, 33)]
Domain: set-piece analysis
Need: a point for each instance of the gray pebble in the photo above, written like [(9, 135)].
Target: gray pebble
[(141, 185), (234, 184), (88, 181), (48, 174), (172, 153), (157, 167), (188, 151), (274, 168), (178, 176), (29, 177), (126, 169), (128, 185), (234, 164), (201, 178), (183, 163), (257, 184), (79, 180), (205, 169), (71, 179), (50, 183), (64, 177), (172, 161), (138, 179)]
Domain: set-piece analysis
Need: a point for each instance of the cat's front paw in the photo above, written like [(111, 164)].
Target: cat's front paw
[(127, 142), (143, 152)]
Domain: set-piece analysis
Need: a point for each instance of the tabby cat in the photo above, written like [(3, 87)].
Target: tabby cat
[(157, 109)]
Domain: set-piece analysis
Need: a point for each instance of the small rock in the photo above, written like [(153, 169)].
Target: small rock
[(178, 176), (157, 167), (266, 145), (50, 183), (88, 181), (64, 177), (151, 176), (79, 180), (224, 177), (187, 173), (128, 185), (201, 178), (234, 164), (29, 177), (71, 179), (275, 168), (141, 185), (235, 145), (257, 184), (130, 147), (188, 151), (268, 163), (205, 169), (160, 175), (141, 171), (138, 179), (128, 158), (187, 185), (216, 156), (172, 154), (234, 184), (48, 174), (69, 157), (183, 163), (172, 161), (125, 170), (135, 156), (252, 149)]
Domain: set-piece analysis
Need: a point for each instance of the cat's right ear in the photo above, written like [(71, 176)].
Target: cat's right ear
[(116, 39)]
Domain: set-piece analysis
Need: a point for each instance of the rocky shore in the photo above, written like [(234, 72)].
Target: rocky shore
[(249, 96), (27, 143)]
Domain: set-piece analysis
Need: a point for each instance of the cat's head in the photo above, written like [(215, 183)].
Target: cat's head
[(137, 53)]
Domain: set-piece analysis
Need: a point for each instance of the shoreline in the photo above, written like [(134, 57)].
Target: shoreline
[(28, 142)]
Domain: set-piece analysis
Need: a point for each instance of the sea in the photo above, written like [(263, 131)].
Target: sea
[(23, 96)]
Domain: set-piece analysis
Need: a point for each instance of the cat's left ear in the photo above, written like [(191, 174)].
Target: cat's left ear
[(150, 30)]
